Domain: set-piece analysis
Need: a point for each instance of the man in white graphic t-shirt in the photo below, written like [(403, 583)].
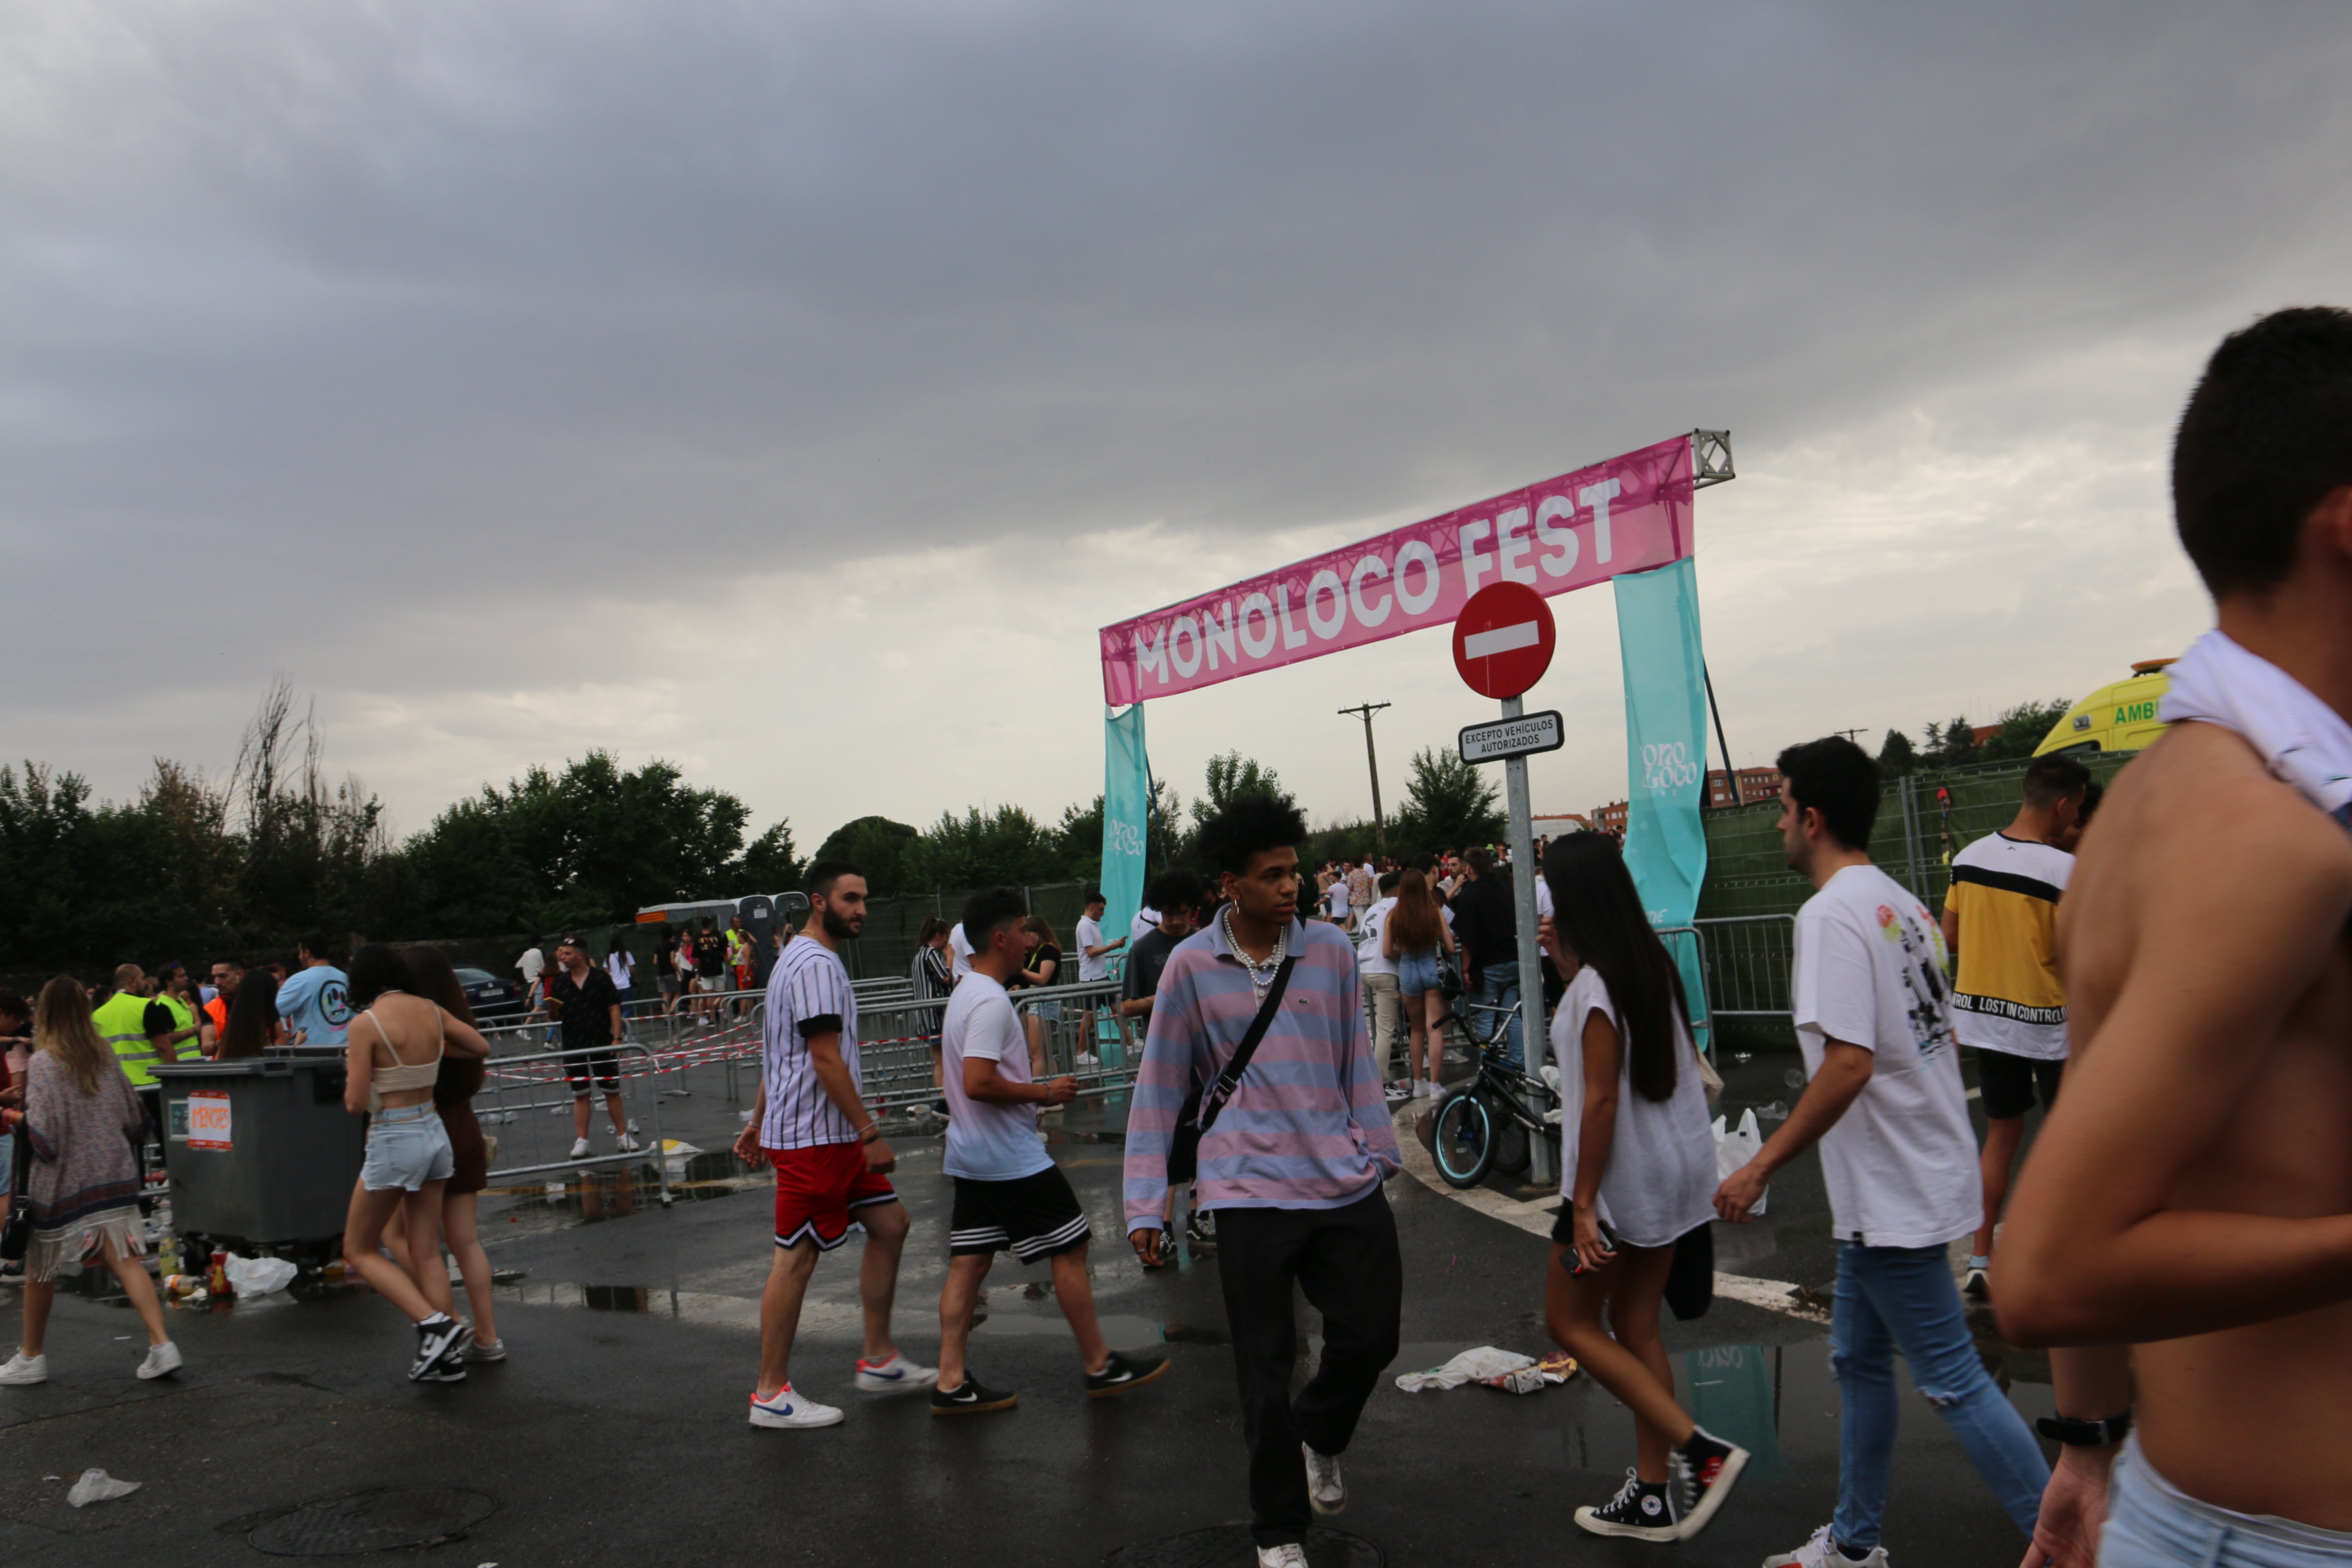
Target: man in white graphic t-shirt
[(1898, 1155), (1010, 1196)]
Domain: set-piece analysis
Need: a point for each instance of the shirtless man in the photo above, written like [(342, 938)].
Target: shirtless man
[(2192, 1197)]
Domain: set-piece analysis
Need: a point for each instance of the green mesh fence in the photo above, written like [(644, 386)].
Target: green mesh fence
[(1923, 822)]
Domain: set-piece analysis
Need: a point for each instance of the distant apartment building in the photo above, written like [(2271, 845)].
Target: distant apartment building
[(1755, 784)]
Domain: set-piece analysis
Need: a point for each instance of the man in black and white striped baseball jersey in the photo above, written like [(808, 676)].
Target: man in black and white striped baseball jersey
[(831, 1165)]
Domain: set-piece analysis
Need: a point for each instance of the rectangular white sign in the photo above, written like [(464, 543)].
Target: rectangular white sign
[(208, 1119), (1518, 737)]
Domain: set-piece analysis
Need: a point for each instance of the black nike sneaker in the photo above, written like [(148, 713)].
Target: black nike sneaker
[(972, 1398), (1121, 1372)]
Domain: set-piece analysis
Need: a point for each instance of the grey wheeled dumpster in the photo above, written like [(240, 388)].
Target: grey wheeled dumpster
[(261, 1149)]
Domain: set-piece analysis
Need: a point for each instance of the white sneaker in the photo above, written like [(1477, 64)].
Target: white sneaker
[(162, 1360), (1820, 1552), (487, 1350), (580, 1148), (894, 1374), (1325, 1488), (1289, 1554), (786, 1408), (627, 1144), (22, 1368)]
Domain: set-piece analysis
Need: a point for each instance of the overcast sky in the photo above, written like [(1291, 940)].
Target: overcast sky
[(792, 390)]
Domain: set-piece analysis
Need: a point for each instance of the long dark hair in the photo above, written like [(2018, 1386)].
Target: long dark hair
[(432, 976), (1599, 915), (252, 1016), (376, 969)]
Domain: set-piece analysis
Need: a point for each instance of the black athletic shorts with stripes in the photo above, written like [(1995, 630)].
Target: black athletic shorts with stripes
[(1031, 1217)]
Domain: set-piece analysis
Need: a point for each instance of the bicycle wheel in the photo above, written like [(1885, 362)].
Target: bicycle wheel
[(1465, 1139), (1510, 1141)]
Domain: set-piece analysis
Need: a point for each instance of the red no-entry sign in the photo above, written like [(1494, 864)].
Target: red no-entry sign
[(1503, 639)]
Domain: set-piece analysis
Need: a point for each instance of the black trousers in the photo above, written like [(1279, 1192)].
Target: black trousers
[(1346, 1261)]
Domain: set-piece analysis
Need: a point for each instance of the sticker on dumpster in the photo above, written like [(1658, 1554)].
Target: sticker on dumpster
[(208, 1119)]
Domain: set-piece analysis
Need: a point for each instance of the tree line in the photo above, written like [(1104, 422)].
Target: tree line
[(1955, 745), (194, 865)]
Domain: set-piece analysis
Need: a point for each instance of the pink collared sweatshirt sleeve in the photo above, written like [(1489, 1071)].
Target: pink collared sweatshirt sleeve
[(1309, 1127)]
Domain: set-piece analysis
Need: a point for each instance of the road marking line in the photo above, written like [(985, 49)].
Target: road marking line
[(1533, 1216)]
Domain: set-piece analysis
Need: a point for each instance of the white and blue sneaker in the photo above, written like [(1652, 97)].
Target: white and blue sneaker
[(894, 1374), (786, 1408)]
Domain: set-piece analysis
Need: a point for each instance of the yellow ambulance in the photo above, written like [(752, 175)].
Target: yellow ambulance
[(2118, 718)]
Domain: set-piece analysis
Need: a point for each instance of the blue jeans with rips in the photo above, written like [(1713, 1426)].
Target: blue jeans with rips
[(1891, 1298), (1498, 986)]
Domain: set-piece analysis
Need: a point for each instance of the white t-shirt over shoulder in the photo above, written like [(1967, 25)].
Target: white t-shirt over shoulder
[(1659, 1185), (961, 951), (1901, 1163)]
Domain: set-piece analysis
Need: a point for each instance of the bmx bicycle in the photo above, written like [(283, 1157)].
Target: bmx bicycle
[(1487, 1124)]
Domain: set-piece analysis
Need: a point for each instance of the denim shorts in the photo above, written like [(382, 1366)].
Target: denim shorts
[(1049, 1011), (406, 1148), (2151, 1523), (1417, 973)]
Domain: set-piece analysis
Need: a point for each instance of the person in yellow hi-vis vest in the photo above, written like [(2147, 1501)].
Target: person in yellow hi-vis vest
[(121, 1023)]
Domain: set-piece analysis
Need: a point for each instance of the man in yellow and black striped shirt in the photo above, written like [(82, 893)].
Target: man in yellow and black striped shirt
[(2001, 920)]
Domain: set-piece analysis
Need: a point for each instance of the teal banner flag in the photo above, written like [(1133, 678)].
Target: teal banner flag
[(1126, 816), (1666, 754)]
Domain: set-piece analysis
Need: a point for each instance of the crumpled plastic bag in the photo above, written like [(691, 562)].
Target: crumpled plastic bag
[(259, 1276), (1496, 1368), (97, 1486), (1736, 1148)]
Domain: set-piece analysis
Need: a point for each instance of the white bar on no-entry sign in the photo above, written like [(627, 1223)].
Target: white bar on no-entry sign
[(1502, 639)]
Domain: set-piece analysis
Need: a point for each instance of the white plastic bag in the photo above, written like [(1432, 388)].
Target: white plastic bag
[(1477, 1365), (1736, 1148), (259, 1276), (97, 1486)]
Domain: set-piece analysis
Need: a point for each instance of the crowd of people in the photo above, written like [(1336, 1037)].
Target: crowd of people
[(2177, 1235)]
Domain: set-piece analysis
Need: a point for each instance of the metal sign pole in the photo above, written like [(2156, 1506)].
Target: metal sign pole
[(1524, 873)]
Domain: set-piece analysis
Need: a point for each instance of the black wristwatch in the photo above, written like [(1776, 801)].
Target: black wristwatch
[(2078, 1433)]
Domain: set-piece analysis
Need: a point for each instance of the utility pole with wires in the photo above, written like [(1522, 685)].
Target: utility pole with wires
[(1371, 759)]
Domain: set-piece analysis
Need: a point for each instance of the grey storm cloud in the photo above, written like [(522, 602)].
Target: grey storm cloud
[(383, 340)]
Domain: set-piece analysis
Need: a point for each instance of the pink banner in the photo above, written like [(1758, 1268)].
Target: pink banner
[(1628, 514)]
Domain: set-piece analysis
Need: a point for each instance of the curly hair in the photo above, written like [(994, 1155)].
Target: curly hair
[(1249, 826)]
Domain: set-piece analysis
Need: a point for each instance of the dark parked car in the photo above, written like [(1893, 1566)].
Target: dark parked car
[(493, 1000)]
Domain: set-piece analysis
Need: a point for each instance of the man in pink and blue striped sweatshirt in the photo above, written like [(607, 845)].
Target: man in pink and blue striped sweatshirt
[(1292, 1167)]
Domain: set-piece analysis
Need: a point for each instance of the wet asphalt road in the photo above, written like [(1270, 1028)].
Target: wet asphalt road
[(616, 1432)]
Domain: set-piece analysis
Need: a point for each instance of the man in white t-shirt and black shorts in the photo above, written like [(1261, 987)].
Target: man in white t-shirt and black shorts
[(832, 1167), (1010, 1196), (2009, 1005), (1898, 1155)]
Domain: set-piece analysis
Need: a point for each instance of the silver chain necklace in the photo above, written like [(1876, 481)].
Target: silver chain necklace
[(1250, 966)]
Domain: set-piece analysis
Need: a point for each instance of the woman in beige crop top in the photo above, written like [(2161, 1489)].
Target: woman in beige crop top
[(394, 1052)]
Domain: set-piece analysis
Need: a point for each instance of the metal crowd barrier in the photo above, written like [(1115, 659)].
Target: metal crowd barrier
[(522, 1094), (1747, 958), (1086, 1040)]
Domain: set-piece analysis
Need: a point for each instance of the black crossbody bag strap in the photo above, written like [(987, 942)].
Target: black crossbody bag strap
[(1200, 1111)]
